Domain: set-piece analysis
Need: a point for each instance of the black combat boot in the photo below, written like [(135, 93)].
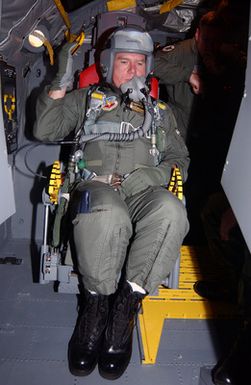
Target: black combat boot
[(87, 337), (117, 346), (217, 291), (235, 368)]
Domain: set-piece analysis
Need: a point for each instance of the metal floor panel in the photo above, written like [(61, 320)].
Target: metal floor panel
[(36, 324)]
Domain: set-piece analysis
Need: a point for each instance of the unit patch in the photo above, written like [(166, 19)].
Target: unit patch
[(110, 103), (168, 48)]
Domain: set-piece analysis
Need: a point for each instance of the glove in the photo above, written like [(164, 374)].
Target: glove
[(64, 76), (142, 178)]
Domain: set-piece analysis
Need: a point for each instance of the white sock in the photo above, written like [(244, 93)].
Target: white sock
[(92, 292), (136, 287)]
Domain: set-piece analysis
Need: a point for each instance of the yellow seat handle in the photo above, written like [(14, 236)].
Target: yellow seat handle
[(175, 185)]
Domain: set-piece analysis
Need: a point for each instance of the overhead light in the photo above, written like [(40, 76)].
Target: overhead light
[(36, 38), (34, 42)]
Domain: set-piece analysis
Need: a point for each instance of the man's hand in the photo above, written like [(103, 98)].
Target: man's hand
[(196, 83), (116, 180), (64, 76), (140, 179)]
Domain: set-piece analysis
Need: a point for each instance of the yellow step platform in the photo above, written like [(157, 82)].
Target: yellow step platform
[(179, 303)]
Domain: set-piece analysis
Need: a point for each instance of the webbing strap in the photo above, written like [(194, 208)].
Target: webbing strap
[(47, 44), (70, 37), (63, 13)]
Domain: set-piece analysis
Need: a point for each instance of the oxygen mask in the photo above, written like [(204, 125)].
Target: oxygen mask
[(135, 89)]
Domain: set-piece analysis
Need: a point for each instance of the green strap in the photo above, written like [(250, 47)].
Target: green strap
[(61, 210)]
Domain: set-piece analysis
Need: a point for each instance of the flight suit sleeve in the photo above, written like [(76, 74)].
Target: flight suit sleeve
[(175, 65), (174, 153), (55, 119)]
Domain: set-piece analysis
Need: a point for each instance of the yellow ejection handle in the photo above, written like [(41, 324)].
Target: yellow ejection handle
[(175, 185), (55, 182), (79, 41)]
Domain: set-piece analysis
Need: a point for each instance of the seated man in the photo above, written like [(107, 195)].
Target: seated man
[(122, 213)]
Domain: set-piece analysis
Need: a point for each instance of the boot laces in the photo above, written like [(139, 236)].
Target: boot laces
[(93, 320), (123, 317)]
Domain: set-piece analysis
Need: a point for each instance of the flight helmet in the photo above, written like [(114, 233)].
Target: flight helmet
[(127, 39)]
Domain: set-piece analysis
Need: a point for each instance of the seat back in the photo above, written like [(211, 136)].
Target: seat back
[(90, 76)]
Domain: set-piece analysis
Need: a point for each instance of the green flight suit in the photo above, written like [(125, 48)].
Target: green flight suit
[(173, 66), (142, 223)]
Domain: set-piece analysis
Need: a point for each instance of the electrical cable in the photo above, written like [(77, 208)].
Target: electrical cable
[(32, 146)]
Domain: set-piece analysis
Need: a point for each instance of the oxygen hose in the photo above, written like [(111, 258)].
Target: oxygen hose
[(125, 137)]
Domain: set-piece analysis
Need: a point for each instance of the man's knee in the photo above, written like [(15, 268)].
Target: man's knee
[(101, 237), (169, 206)]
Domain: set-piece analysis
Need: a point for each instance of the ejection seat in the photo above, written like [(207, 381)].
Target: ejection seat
[(175, 298), (56, 265)]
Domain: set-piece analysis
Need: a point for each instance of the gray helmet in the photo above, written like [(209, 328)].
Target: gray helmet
[(127, 39)]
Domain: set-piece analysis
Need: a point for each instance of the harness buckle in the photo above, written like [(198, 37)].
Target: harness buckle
[(126, 128)]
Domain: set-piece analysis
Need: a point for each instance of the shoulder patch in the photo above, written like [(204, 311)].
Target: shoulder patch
[(110, 103), (168, 48)]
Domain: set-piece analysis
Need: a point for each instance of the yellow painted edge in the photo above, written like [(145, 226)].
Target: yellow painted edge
[(115, 5), (169, 5)]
